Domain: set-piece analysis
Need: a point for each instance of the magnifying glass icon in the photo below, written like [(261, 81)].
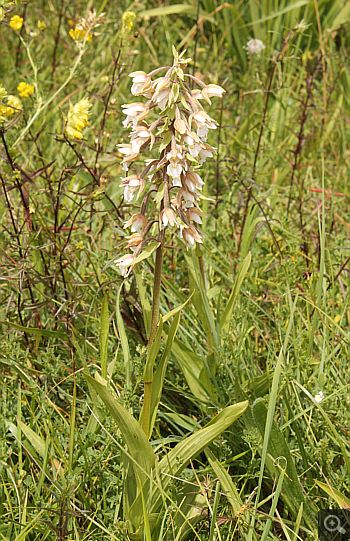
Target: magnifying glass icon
[(332, 524)]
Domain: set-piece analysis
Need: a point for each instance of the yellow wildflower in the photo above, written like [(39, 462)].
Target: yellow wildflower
[(73, 134), (41, 25), (78, 118), (14, 105), (16, 22), (127, 22), (3, 93), (24, 89), (79, 35)]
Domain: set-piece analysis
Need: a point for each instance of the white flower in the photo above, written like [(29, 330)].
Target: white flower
[(130, 155), (125, 149), (162, 91), (142, 84), (319, 397), (137, 222), (204, 123), (138, 138), (193, 181), (205, 153), (133, 112), (162, 98), (207, 92), (124, 263), (254, 46), (195, 214), (131, 184), (168, 217), (188, 197), (193, 147), (175, 167), (190, 234)]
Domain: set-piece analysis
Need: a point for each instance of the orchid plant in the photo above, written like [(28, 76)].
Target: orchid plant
[(169, 182)]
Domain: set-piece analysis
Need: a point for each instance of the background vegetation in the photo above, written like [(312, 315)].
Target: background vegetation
[(274, 332)]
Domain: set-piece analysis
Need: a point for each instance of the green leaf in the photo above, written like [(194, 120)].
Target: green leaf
[(168, 10), (72, 426), (146, 252), (104, 328), (139, 448), (166, 140), (192, 365), (160, 372), (81, 356), (259, 385), (291, 7), (138, 445), (227, 314), (36, 441), (231, 492), (337, 496), (277, 492), (152, 353), (342, 17), (176, 310), (123, 339), (146, 307), (177, 459), (42, 332)]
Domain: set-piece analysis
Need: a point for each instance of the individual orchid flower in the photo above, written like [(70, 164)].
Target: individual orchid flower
[(131, 184), (207, 92), (203, 123), (134, 112), (130, 155), (194, 148), (142, 84), (175, 166), (125, 263), (168, 217), (134, 241), (137, 222), (191, 235), (139, 137)]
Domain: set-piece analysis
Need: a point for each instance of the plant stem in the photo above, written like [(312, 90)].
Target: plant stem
[(154, 325)]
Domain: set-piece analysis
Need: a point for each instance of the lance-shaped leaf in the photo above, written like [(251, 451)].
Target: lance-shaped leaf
[(160, 372), (104, 328), (179, 457), (138, 445), (227, 314)]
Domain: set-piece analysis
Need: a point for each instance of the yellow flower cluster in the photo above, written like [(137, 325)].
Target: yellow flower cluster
[(41, 25), (24, 89), (127, 22), (79, 35), (13, 105), (78, 118), (16, 22)]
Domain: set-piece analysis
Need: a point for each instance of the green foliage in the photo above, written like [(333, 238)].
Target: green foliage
[(259, 314)]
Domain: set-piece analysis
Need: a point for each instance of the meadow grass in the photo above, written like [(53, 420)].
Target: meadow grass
[(268, 317)]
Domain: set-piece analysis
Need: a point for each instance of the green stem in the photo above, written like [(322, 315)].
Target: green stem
[(210, 340), (154, 324)]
